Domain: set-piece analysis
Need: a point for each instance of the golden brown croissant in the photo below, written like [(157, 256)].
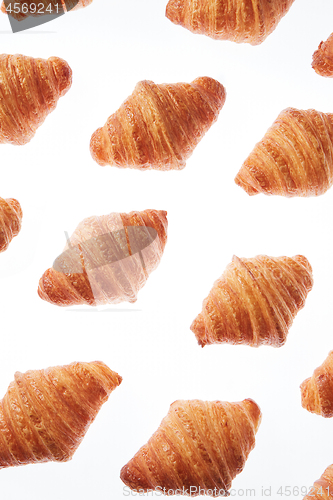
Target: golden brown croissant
[(158, 126), (317, 391), (10, 221), (199, 448), (323, 487), (29, 91), (46, 413), (322, 61), (254, 302), (107, 260), (295, 158), (21, 9), (240, 21)]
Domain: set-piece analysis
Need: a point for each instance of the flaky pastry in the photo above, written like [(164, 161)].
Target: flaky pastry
[(295, 157), (240, 21), (29, 91), (199, 448), (158, 126), (254, 302), (107, 260), (46, 413)]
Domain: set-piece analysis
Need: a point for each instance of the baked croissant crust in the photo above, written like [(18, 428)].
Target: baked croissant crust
[(240, 21), (158, 126), (317, 391), (33, 8), (29, 91), (200, 446), (323, 488), (254, 302), (10, 221), (322, 61), (107, 260), (46, 413), (295, 157)]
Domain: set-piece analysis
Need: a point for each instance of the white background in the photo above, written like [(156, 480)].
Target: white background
[(111, 45)]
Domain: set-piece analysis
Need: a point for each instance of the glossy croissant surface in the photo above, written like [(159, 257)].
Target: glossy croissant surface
[(295, 157), (200, 446), (22, 9), (322, 61), (158, 126), (254, 302), (107, 260), (240, 21), (29, 91), (323, 487), (317, 391), (10, 221), (46, 413)]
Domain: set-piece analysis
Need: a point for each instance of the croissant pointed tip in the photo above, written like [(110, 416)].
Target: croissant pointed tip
[(199, 330), (215, 88), (63, 74), (99, 146), (244, 184), (133, 478), (254, 412), (15, 206)]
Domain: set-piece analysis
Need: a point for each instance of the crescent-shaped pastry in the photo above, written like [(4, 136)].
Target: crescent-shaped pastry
[(107, 260), (323, 487), (22, 9), (254, 302), (29, 91), (317, 391), (295, 157), (158, 126), (240, 21), (46, 413), (198, 449), (10, 221), (322, 61)]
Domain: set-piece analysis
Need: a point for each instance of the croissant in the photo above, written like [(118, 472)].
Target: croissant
[(158, 126), (21, 9), (254, 302), (10, 221), (46, 413), (198, 449), (295, 158), (317, 391), (29, 91), (322, 61), (240, 21), (107, 260), (323, 488)]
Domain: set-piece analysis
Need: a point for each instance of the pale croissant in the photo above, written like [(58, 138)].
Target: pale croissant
[(21, 9), (158, 126), (46, 413), (10, 221), (322, 61), (200, 446), (323, 487), (29, 91), (295, 157), (107, 260), (240, 21), (317, 391), (254, 302)]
